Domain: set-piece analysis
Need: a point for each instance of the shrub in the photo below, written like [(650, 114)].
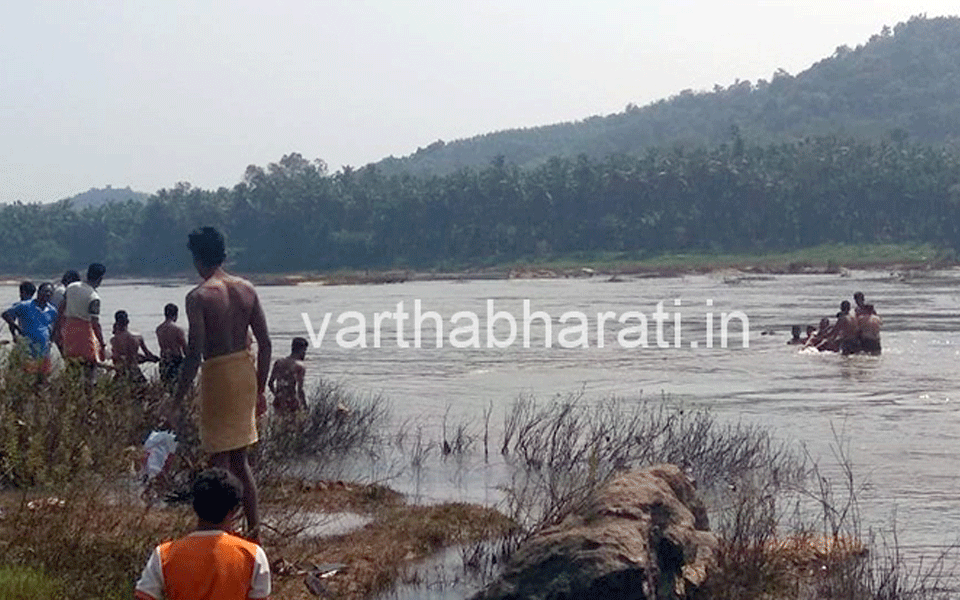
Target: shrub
[(63, 429), (564, 449), (336, 422)]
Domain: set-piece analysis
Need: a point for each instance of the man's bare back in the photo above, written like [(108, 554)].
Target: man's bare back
[(286, 383), (172, 340), (224, 308), (128, 350), (125, 349), (221, 311)]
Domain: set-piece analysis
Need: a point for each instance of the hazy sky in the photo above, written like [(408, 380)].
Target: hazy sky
[(150, 93)]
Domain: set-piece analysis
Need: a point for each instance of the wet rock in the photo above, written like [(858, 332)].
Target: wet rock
[(643, 536)]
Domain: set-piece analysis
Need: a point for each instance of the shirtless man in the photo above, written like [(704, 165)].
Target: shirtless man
[(173, 345), (847, 330), (286, 379), (126, 348), (821, 340), (860, 304), (220, 312), (796, 339), (869, 323)]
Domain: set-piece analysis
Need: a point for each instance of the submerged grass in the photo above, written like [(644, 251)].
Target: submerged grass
[(73, 522)]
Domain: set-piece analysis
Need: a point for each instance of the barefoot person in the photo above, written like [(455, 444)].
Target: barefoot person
[(286, 379), (173, 345), (128, 350), (220, 312), (78, 325)]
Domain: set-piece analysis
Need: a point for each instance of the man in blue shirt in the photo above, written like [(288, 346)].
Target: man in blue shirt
[(33, 321), (27, 289)]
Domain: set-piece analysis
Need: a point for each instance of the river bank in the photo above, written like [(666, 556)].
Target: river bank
[(826, 259), (829, 259)]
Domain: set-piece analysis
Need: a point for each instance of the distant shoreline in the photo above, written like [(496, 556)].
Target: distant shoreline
[(818, 260), (828, 259)]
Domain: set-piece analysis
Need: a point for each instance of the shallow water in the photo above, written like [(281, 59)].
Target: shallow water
[(899, 412)]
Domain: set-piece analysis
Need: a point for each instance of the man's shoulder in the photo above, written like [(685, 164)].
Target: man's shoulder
[(215, 285)]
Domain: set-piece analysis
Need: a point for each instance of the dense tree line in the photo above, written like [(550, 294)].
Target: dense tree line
[(904, 82), (294, 216)]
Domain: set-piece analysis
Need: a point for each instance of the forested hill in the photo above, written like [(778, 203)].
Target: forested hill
[(95, 197), (903, 82)]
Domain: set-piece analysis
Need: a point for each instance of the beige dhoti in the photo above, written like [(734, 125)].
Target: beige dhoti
[(228, 402)]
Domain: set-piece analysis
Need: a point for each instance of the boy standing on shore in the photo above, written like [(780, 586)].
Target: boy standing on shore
[(211, 563)]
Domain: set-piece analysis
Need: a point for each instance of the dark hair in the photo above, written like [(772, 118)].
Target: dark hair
[(95, 272), (121, 317), (27, 288), (170, 310), (845, 305), (869, 308), (69, 277), (207, 246), (216, 493), (44, 286), (298, 342)]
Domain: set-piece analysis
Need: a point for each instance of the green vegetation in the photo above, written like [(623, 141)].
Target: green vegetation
[(95, 197), (827, 257), (733, 199), (903, 83), (859, 151), (21, 583)]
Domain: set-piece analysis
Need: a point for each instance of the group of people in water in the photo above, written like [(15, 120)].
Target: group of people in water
[(856, 330)]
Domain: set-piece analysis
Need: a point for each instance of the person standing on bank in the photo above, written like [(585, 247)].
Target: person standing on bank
[(34, 320), (78, 324), (220, 313)]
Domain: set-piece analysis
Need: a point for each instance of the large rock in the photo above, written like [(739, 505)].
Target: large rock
[(643, 536)]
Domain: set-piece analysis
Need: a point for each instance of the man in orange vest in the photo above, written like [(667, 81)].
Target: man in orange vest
[(211, 563)]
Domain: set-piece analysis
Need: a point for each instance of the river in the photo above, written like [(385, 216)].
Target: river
[(898, 412)]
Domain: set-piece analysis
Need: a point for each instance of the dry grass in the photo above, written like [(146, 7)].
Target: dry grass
[(73, 521), (94, 541), (565, 448), (399, 537), (65, 441)]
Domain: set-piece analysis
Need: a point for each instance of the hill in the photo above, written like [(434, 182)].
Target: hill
[(96, 197), (902, 83)]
